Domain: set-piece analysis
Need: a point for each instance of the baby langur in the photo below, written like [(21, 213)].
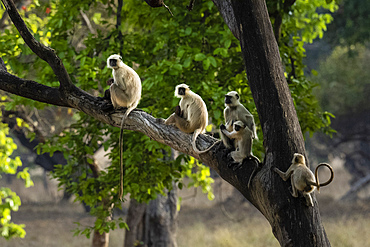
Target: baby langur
[(235, 111), (302, 178), (243, 139), (125, 91), (191, 114)]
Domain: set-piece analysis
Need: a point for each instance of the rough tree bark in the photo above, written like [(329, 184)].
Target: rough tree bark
[(154, 224), (293, 223), (136, 223)]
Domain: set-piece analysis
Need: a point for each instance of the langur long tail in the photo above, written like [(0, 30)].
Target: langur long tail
[(122, 168), (317, 177), (195, 136)]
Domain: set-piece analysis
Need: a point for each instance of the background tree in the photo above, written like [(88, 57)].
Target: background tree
[(340, 60), (173, 60)]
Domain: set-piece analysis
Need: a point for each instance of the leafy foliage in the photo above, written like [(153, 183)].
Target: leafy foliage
[(351, 23), (344, 83), (301, 24), (9, 201)]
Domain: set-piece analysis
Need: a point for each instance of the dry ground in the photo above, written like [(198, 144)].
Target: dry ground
[(202, 223)]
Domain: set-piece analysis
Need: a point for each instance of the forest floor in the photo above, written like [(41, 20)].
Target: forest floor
[(201, 223)]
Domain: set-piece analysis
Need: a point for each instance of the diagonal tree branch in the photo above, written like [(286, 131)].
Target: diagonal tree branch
[(31, 89), (138, 120), (228, 16)]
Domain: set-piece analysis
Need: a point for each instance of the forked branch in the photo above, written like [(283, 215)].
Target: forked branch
[(45, 53)]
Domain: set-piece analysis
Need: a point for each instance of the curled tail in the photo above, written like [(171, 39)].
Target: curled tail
[(195, 135), (122, 170), (318, 185)]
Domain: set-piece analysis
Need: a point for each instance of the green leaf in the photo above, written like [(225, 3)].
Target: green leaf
[(227, 43), (187, 62), (212, 61), (180, 53), (200, 57), (206, 64), (188, 31), (217, 114), (178, 67)]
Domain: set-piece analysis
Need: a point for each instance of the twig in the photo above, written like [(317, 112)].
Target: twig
[(87, 22), (164, 5), (118, 25), (191, 5)]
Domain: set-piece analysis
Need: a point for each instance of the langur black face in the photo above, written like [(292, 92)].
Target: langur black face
[(113, 62), (237, 127), (231, 98), (181, 91), (228, 99)]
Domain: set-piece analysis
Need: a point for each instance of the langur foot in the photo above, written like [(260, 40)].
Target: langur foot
[(294, 195), (229, 156), (160, 120), (235, 165), (107, 107), (252, 157)]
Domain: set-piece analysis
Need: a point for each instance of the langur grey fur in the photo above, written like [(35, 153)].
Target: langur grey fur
[(125, 91), (243, 140), (302, 178), (235, 111), (191, 115)]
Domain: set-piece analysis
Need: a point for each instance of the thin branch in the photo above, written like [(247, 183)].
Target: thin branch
[(168, 8), (22, 114), (45, 53), (118, 25), (278, 16), (228, 15), (2, 66), (356, 187), (158, 3), (87, 22), (191, 5)]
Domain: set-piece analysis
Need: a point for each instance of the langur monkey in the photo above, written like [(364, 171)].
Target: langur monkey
[(302, 178), (243, 139), (125, 91), (191, 114), (235, 111)]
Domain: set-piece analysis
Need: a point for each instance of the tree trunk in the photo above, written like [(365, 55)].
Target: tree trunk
[(293, 223), (162, 214), (153, 225), (136, 224), (100, 240)]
